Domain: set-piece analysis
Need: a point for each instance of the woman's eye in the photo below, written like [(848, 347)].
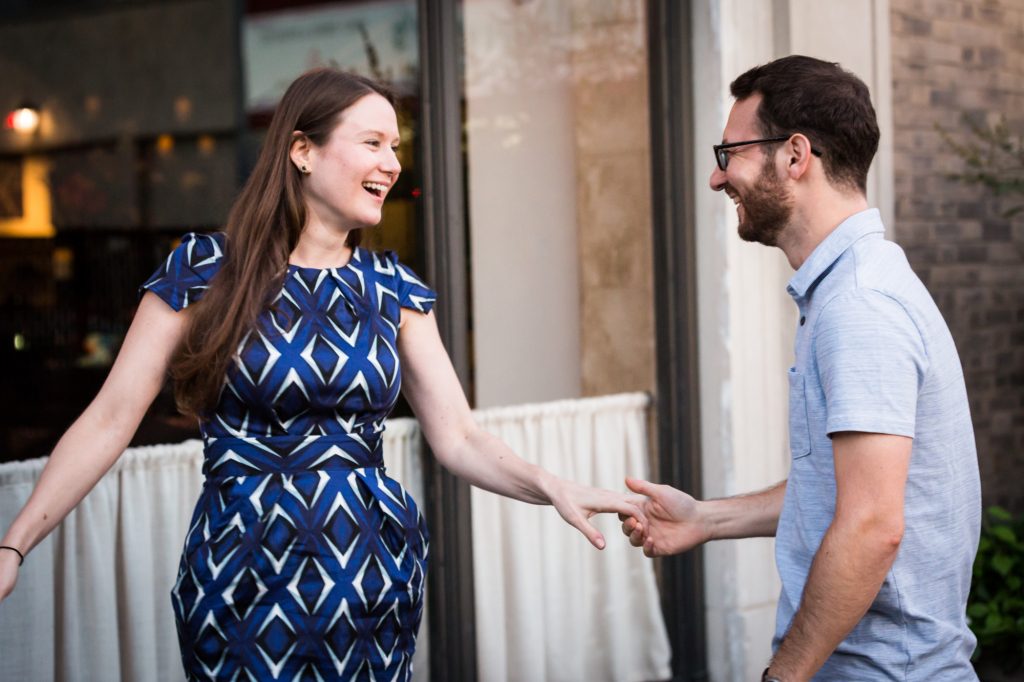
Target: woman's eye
[(373, 143)]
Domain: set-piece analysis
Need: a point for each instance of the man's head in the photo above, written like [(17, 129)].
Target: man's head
[(828, 104), (789, 114)]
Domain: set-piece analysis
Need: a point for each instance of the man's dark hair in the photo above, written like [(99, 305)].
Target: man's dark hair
[(828, 104)]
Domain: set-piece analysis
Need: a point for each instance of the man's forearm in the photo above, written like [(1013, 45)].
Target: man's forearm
[(745, 516), (845, 577)]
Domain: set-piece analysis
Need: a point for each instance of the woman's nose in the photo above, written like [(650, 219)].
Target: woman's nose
[(391, 164)]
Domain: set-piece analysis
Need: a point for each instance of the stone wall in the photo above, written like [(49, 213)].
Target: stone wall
[(613, 196), (954, 61)]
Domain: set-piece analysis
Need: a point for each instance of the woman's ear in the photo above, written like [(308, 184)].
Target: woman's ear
[(300, 151)]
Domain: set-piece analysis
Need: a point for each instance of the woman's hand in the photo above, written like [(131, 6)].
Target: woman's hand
[(577, 503), (9, 562)]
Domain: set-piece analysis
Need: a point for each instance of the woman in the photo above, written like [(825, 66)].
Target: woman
[(304, 560)]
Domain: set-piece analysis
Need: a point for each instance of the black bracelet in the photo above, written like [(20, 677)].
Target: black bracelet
[(16, 551)]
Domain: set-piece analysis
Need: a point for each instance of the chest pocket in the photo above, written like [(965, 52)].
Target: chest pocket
[(799, 432)]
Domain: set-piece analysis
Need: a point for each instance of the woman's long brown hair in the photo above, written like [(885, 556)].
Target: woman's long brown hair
[(263, 229)]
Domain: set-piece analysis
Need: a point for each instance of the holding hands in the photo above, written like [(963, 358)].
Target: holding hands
[(675, 522), (578, 503)]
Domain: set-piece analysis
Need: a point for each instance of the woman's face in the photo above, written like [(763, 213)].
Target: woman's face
[(350, 175)]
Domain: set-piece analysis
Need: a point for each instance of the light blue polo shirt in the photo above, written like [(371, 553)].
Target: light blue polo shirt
[(873, 354)]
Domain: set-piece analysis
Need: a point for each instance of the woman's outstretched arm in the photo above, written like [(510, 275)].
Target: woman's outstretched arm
[(464, 448), (98, 437)]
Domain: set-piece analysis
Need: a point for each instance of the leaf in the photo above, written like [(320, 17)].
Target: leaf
[(993, 621), (977, 610), (1005, 533), (1003, 563), (1000, 514)]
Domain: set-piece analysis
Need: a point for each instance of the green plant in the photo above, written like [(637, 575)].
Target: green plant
[(994, 157), (995, 607)]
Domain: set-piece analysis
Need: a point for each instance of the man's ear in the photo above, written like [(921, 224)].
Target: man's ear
[(798, 150), (300, 150)]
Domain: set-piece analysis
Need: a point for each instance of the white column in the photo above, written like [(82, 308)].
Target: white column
[(746, 320)]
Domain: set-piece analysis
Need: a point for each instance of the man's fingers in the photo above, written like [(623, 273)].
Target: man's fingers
[(639, 485), (636, 537)]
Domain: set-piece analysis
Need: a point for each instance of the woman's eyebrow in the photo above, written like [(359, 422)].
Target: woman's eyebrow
[(377, 133)]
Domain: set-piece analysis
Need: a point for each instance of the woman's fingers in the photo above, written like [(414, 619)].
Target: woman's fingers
[(638, 501), (584, 502), (630, 510), (592, 534)]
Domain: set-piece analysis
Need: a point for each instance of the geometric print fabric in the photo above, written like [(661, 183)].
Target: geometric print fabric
[(304, 560)]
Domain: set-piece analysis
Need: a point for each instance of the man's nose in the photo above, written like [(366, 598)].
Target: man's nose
[(717, 180)]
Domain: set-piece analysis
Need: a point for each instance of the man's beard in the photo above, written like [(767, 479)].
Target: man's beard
[(767, 208)]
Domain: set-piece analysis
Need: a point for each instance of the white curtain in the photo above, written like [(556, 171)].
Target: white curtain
[(92, 601), (550, 607)]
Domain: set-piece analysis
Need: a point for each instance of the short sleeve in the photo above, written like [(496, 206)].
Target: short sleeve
[(412, 291), (871, 362), (183, 278)]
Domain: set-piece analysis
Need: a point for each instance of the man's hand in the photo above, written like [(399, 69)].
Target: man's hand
[(674, 520)]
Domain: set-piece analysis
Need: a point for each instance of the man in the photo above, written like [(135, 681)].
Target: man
[(877, 525)]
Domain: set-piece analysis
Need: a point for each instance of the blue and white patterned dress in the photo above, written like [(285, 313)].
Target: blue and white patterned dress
[(303, 561)]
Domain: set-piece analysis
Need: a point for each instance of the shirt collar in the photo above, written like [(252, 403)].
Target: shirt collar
[(863, 223)]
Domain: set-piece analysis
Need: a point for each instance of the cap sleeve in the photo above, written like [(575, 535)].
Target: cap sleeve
[(183, 278), (872, 362), (412, 291)]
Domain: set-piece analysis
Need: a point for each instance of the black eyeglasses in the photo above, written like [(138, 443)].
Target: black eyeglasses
[(722, 155)]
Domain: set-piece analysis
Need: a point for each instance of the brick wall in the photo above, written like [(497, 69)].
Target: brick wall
[(952, 59)]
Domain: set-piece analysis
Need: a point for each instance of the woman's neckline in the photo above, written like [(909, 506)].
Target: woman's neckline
[(351, 258)]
